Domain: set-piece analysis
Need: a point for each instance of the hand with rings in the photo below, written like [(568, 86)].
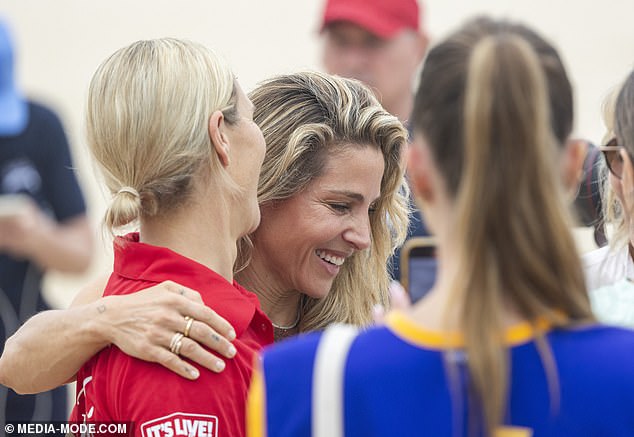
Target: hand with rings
[(177, 339), (169, 324)]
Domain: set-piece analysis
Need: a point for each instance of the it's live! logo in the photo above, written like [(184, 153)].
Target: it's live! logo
[(181, 424)]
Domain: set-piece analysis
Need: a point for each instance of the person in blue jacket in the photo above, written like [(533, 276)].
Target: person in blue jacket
[(43, 223)]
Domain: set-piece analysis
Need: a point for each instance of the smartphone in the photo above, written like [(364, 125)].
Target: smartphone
[(418, 266)]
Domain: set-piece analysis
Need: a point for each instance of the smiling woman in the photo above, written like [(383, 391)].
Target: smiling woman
[(308, 238), (324, 226), (333, 204), (332, 196)]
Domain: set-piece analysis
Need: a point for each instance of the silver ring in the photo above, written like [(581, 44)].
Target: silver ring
[(175, 344), (177, 348)]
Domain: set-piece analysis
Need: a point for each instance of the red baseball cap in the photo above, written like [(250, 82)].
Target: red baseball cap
[(383, 18)]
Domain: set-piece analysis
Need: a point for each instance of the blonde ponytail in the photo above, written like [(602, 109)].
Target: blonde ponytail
[(147, 117), (507, 144), (124, 209)]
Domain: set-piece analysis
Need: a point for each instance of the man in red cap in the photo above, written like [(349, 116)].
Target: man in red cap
[(380, 42)]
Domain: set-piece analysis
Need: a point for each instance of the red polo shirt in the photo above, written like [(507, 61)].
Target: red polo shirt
[(113, 386)]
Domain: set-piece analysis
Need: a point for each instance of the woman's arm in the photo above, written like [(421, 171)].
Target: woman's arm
[(49, 348)]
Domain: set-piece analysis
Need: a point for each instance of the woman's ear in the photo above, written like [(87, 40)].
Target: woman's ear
[(218, 138), (574, 155), (422, 44), (418, 172)]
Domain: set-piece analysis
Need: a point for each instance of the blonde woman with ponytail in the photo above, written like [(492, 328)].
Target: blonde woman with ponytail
[(174, 136), (505, 343)]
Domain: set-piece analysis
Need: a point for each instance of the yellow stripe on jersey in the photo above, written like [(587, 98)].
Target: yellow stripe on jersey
[(410, 331), (256, 405), (513, 431)]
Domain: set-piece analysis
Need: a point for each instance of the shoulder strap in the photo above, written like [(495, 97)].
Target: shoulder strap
[(328, 380)]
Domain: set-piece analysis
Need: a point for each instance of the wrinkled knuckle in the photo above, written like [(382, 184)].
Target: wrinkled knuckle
[(211, 314), (164, 289), (168, 316), (171, 360), (188, 348), (169, 286), (172, 300), (197, 297)]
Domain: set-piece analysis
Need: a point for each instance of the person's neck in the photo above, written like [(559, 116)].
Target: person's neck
[(439, 310), (435, 311), (198, 233), (279, 304), (401, 108)]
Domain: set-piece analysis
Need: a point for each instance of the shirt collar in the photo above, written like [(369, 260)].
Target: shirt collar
[(140, 261), (407, 329)]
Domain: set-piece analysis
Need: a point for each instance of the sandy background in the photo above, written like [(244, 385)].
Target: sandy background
[(61, 42)]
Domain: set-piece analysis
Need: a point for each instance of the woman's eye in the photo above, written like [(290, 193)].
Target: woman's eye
[(340, 207)]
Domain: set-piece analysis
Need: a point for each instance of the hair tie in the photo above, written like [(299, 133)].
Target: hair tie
[(129, 190)]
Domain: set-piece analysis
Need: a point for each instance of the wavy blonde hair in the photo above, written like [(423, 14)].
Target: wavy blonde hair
[(147, 123), (485, 105), (305, 118)]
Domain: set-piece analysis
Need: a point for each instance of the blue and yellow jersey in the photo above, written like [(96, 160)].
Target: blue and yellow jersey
[(395, 382)]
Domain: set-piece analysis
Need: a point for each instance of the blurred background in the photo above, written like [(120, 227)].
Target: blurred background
[(60, 43)]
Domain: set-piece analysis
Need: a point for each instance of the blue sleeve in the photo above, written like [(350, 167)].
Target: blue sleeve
[(288, 376)]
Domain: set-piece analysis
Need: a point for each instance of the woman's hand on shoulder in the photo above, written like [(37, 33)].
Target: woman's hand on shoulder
[(150, 323)]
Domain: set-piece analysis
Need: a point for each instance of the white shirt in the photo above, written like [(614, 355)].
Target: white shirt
[(611, 294), (606, 266), (614, 304)]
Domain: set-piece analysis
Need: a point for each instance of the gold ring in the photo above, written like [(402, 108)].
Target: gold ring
[(175, 344), (188, 326)]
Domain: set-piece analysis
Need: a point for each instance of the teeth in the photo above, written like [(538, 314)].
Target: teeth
[(332, 259)]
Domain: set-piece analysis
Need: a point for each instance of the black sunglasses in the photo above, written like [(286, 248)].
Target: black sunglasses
[(611, 152)]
